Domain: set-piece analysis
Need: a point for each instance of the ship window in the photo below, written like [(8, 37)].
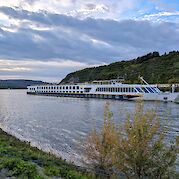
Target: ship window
[(145, 90), (139, 90), (157, 90), (66, 87), (70, 87), (154, 89), (87, 90), (149, 89), (77, 87), (63, 87), (73, 87)]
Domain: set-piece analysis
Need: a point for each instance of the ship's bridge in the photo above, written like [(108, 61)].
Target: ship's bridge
[(113, 81)]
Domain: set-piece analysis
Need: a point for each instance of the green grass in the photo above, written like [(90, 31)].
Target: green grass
[(18, 159)]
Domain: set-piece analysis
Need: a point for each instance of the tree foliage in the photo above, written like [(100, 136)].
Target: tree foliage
[(153, 67), (100, 147), (137, 150)]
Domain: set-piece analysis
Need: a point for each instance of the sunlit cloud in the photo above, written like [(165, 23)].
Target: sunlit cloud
[(160, 15), (46, 40), (34, 69)]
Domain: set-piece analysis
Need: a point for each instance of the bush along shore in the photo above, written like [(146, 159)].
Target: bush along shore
[(135, 150), (19, 160)]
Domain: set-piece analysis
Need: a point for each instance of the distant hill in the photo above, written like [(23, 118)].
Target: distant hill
[(18, 84), (153, 67)]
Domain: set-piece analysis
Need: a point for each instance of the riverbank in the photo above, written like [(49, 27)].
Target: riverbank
[(19, 160)]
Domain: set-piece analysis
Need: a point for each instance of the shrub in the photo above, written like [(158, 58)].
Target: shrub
[(100, 146), (142, 153), (137, 150), (19, 167)]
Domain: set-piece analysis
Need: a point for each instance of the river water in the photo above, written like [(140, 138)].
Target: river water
[(60, 125)]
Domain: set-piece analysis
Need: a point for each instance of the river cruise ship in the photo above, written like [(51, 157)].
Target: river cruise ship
[(112, 89)]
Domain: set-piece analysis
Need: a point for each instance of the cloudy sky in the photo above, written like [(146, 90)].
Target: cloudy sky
[(47, 39)]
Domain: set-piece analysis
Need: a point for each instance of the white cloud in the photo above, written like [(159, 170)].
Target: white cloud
[(160, 14), (52, 71), (38, 38), (79, 8)]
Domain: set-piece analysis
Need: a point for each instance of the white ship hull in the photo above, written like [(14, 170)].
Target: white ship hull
[(113, 90), (158, 97)]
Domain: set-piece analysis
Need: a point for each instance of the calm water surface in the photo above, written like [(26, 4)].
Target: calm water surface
[(61, 124)]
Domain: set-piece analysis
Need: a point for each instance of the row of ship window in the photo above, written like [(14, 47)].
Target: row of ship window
[(106, 89), (129, 90), (61, 91), (58, 87), (115, 90)]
